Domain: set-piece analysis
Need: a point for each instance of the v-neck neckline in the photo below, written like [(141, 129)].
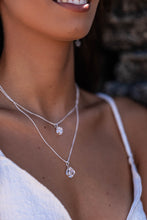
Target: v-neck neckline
[(134, 202)]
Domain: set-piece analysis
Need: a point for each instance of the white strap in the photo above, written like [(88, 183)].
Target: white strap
[(119, 124)]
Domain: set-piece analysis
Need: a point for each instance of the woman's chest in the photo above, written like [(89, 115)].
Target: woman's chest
[(84, 198), (97, 192), (102, 186)]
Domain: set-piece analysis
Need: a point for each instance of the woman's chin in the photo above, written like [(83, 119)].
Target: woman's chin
[(74, 34)]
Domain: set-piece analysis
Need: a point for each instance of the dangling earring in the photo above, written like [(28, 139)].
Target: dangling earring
[(78, 43)]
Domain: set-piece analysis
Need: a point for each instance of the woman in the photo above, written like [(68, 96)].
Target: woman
[(77, 168)]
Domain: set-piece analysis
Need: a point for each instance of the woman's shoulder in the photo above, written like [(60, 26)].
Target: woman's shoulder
[(134, 118), (129, 110), (133, 115), (131, 107)]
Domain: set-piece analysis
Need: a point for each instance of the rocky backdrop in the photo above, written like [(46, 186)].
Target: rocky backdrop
[(124, 40)]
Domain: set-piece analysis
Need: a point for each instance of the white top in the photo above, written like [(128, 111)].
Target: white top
[(22, 197)]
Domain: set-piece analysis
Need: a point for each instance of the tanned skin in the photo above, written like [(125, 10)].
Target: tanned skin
[(37, 71)]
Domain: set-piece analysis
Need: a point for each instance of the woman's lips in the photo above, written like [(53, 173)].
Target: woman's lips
[(75, 7)]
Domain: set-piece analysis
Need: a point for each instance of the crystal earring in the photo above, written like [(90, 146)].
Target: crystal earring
[(78, 43)]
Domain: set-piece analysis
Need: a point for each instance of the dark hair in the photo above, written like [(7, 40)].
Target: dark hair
[(89, 56)]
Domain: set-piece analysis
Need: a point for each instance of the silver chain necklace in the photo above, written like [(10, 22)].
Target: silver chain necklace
[(58, 129), (70, 172)]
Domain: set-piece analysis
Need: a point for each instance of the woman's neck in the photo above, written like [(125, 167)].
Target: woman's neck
[(37, 71)]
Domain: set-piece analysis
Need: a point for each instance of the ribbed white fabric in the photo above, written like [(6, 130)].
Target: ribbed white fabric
[(22, 197)]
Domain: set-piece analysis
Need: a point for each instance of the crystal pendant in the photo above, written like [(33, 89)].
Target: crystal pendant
[(59, 130), (70, 172)]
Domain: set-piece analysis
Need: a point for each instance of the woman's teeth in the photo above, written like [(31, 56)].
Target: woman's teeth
[(76, 2)]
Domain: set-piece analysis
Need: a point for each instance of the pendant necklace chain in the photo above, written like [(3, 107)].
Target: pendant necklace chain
[(70, 172), (58, 129)]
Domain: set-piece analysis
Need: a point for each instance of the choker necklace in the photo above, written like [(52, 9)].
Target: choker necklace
[(58, 129), (70, 172)]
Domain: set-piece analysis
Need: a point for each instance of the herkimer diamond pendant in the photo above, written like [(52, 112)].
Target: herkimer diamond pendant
[(70, 172), (59, 130)]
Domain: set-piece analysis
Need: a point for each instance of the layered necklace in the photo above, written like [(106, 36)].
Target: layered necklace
[(70, 172)]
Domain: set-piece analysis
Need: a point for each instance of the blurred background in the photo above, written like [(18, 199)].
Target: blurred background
[(124, 49), (121, 56), (125, 43)]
